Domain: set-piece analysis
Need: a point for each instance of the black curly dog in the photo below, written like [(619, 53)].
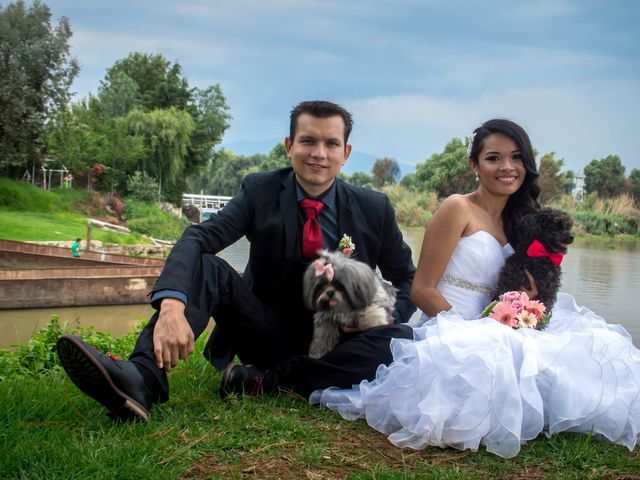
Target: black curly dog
[(552, 229)]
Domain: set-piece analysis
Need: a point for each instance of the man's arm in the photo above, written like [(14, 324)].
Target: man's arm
[(173, 338)]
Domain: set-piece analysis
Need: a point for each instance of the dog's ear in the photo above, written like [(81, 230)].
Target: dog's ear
[(359, 283)]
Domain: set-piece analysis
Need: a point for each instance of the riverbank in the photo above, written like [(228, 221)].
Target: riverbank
[(196, 435)]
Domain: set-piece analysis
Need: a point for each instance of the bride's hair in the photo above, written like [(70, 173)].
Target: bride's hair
[(525, 200)]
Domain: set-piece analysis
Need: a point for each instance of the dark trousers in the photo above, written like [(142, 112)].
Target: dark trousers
[(261, 336)]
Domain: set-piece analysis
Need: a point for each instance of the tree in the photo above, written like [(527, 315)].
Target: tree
[(410, 181), (119, 96), (150, 82), (167, 135), (277, 158), (448, 172), (362, 179), (160, 84), (569, 181), (634, 181), (36, 72), (385, 172), (551, 180), (604, 176)]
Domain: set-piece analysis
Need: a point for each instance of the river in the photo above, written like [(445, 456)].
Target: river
[(603, 275)]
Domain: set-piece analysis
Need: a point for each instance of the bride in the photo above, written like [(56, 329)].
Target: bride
[(465, 381)]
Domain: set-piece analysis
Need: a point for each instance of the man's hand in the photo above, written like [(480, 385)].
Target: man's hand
[(390, 320), (172, 335), (533, 292)]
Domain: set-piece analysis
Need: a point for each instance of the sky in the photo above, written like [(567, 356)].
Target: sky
[(415, 74)]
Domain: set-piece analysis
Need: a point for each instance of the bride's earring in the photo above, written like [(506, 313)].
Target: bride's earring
[(477, 177)]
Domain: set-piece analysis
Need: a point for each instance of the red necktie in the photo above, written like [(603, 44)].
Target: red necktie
[(311, 234)]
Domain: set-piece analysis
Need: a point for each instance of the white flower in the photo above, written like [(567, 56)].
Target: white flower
[(346, 245), (526, 320)]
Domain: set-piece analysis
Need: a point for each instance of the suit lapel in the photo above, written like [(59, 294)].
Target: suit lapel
[(290, 215), (347, 222)]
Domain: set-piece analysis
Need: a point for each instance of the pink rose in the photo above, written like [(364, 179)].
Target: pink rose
[(524, 298), (510, 296), (517, 305)]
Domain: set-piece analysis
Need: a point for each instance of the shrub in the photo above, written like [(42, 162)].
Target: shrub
[(152, 221), (598, 223), (39, 355), (142, 187), (413, 209)]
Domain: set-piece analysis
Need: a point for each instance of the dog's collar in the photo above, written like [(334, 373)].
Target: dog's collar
[(537, 249)]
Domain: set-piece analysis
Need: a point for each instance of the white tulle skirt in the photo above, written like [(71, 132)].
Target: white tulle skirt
[(465, 383)]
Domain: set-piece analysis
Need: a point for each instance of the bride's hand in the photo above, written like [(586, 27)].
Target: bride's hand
[(533, 292)]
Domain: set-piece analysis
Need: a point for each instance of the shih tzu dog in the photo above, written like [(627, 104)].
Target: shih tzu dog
[(544, 236), (344, 292)]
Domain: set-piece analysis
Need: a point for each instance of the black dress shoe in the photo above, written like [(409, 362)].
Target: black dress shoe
[(117, 384), (240, 379)]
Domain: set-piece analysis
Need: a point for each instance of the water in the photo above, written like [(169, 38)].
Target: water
[(603, 275)]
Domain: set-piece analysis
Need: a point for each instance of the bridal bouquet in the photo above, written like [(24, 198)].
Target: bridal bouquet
[(516, 310)]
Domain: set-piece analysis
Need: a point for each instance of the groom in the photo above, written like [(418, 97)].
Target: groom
[(287, 215)]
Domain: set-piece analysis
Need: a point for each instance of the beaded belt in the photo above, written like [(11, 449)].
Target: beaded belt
[(451, 280)]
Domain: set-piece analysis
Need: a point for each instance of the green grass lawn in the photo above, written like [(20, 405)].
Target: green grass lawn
[(39, 226), (50, 430)]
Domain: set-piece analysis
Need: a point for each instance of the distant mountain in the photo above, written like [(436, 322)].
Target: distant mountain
[(358, 161)]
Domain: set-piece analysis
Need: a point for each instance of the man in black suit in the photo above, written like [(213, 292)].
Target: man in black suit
[(260, 317)]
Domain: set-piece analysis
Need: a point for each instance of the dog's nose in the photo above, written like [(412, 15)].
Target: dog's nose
[(330, 293)]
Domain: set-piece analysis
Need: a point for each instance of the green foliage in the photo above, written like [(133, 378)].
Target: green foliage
[(604, 176), (362, 179), (634, 185), (35, 77), (39, 356), (142, 187), (599, 223), (149, 219), (167, 136), (448, 172), (551, 180), (227, 169), (385, 172), (413, 209), (410, 181)]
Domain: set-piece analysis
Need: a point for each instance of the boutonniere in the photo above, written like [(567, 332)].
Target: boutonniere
[(346, 245)]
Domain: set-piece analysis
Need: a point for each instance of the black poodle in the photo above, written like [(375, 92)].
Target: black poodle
[(543, 239)]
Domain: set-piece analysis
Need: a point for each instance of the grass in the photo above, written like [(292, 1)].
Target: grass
[(29, 213), (49, 430), (39, 226)]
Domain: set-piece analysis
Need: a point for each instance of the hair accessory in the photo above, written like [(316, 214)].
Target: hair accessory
[(470, 144)]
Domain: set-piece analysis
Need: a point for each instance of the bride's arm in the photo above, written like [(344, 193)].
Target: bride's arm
[(440, 240)]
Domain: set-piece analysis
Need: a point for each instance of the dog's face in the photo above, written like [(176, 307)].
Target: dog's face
[(338, 283), (550, 227)]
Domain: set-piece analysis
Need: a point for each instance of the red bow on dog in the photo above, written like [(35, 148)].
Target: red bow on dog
[(536, 249)]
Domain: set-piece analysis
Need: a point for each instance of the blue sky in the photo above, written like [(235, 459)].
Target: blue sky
[(414, 73)]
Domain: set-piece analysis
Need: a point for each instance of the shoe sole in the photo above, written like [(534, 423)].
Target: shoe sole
[(88, 374)]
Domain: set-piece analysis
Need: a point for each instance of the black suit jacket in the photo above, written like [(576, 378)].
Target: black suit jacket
[(266, 211)]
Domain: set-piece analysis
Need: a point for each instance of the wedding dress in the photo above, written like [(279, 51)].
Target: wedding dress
[(464, 381)]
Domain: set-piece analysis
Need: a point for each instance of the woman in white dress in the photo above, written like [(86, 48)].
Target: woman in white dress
[(465, 381)]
